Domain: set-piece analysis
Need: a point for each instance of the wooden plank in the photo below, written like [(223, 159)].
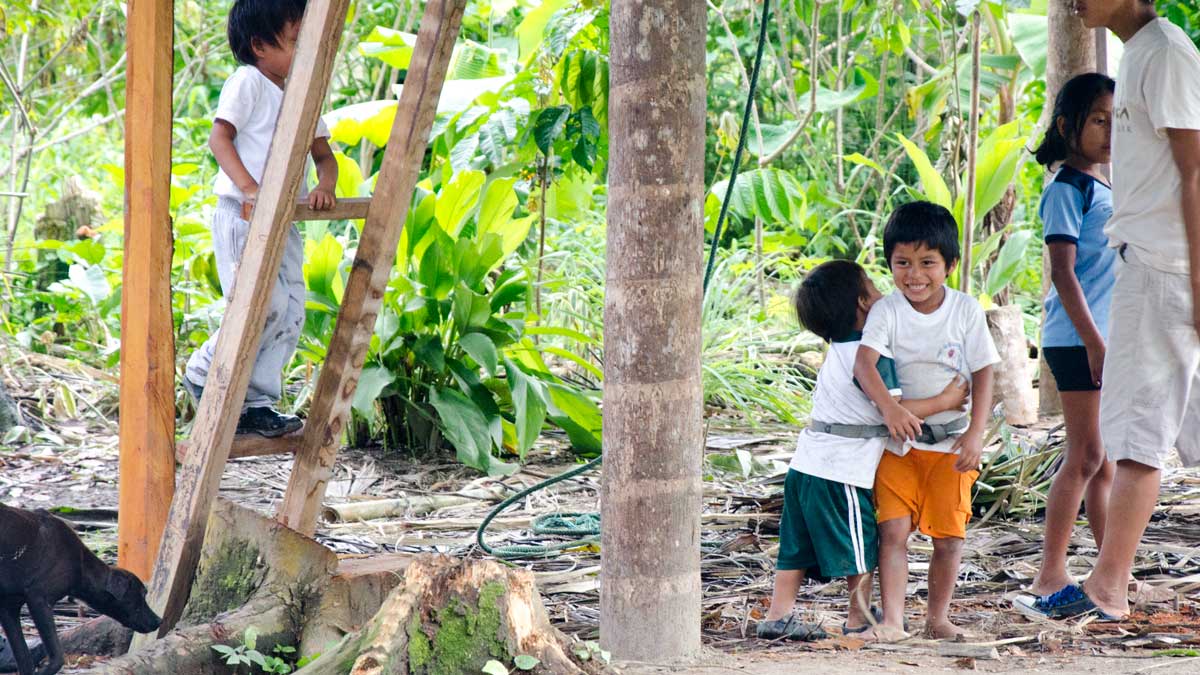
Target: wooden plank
[(353, 208), (147, 385), (372, 265), (250, 445), (225, 388)]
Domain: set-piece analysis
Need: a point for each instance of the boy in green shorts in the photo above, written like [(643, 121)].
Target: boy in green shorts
[(828, 526)]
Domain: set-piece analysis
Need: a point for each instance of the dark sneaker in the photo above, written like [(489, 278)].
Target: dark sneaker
[(267, 422), (1069, 602), (790, 628), (194, 390)]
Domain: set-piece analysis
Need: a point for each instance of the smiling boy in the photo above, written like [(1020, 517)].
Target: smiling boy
[(935, 334)]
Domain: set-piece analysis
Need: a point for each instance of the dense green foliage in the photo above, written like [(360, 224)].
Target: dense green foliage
[(492, 323)]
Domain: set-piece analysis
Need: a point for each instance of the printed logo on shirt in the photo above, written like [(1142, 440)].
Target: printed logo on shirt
[(951, 356), (1123, 123)]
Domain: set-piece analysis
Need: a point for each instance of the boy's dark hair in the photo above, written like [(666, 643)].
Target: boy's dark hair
[(1073, 105), (922, 223), (259, 19), (827, 299)]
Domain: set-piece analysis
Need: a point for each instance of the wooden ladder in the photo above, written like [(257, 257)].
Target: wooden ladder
[(212, 440)]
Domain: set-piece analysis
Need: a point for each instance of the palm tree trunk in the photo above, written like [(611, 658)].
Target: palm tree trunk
[(653, 429)]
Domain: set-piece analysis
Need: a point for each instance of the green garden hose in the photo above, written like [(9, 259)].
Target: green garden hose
[(586, 526)]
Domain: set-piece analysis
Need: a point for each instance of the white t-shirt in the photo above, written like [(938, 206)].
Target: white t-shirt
[(931, 349), (1158, 88), (250, 102), (838, 400)]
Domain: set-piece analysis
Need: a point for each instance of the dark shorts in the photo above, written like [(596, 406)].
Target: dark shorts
[(828, 528), (1070, 368)]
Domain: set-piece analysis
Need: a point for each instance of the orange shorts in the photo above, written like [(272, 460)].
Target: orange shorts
[(924, 486)]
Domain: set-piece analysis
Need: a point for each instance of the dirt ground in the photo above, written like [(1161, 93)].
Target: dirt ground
[(68, 460), (873, 661)]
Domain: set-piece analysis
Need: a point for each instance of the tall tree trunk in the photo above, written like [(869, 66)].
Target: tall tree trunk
[(653, 429), (1071, 51)]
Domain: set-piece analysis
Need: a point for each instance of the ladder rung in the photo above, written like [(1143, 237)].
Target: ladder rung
[(253, 445), (353, 208)]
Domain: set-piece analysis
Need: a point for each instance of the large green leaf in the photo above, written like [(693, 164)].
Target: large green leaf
[(465, 426), (1009, 263), (771, 194), (1031, 40), (532, 30), (481, 348), (529, 407), (471, 310), (371, 120), (932, 183), (457, 199), (350, 178), (393, 47), (323, 269), (371, 383), (499, 202), (563, 26), (548, 125), (997, 161), (91, 281), (865, 86), (578, 415), (473, 61)]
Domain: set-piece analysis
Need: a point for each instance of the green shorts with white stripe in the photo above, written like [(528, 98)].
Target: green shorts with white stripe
[(828, 528)]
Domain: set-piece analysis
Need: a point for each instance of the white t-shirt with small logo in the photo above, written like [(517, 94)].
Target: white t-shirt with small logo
[(1158, 88), (250, 102), (931, 349)]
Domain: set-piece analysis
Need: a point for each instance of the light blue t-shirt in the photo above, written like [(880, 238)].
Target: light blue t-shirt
[(1075, 208)]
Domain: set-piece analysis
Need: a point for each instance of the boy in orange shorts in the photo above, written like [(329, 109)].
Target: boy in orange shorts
[(935, 335)]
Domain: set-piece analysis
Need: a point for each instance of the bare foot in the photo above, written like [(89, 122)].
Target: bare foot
[(885, 633), (1115, 607), (1043, 587), (943, 630)]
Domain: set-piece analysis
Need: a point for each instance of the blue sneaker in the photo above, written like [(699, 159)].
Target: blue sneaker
[(1068, 602)]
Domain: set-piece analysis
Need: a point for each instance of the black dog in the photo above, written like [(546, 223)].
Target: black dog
[(42, 561)]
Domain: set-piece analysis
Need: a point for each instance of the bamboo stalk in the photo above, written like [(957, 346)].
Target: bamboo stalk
[(968, 223)]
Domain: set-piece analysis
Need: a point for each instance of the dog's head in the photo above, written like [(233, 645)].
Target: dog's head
[(123, 597)]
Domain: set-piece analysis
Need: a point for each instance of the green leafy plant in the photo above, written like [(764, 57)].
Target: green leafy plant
[(247, 654)]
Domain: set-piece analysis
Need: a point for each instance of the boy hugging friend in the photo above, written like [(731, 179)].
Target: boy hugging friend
[(899, 412)]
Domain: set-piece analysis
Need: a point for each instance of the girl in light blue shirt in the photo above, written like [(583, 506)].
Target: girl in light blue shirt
[(1074, 209)]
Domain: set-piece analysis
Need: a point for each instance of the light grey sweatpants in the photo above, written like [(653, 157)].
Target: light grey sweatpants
[(285, 313)]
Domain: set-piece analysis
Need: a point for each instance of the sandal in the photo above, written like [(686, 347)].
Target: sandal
[(790, 628), (877, 617), (1066, 603)]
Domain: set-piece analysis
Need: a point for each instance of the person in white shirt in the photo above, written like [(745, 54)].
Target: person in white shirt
[(1150, 392), (828, 524), (935, 334), (262, 35)]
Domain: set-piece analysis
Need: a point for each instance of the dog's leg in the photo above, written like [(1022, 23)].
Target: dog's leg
[(10, 620), (43, 618)]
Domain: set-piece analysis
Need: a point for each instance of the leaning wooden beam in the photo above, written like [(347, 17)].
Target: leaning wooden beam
[(147, 427), (372, 265), (200, 476), (250, 445), (353, 208)]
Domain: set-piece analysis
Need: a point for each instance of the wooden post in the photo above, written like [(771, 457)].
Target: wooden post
[(216, 420), (653, 404), (147, 425), (1071, 51), (372, 265)]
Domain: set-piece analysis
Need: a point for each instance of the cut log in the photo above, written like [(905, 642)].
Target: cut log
[(412, 505), (1014, 383), (453, 616)]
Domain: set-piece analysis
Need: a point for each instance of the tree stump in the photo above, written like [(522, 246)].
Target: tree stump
[(453, 616), (10, 414), (383, 614)]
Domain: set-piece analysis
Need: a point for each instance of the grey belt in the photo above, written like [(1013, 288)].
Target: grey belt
[(930, 433)]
